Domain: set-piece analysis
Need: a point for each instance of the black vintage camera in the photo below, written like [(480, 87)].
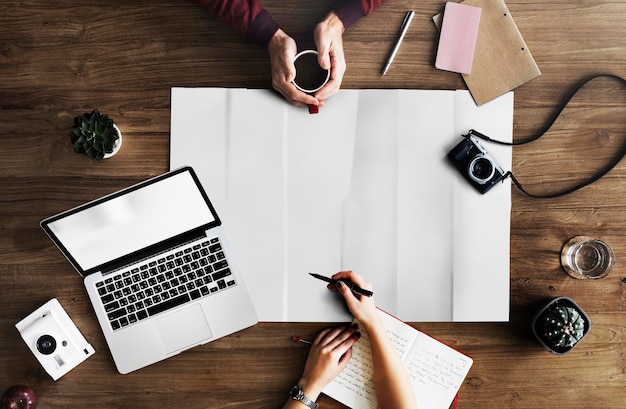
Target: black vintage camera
[(475, 164)]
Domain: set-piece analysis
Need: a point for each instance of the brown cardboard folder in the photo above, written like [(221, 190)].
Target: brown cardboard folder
[(502, 60)]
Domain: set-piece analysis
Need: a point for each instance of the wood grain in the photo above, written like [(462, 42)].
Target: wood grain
[(59, 59)]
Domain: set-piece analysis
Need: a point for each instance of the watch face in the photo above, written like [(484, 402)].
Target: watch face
[(296, 391)]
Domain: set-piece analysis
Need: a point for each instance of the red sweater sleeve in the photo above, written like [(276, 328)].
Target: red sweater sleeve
[(349, 11), (245, 17), (248, 19)]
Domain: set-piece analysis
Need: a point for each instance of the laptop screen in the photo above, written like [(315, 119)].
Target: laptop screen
[(131, 220)]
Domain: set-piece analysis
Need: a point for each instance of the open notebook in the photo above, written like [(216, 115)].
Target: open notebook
[(436, 370)]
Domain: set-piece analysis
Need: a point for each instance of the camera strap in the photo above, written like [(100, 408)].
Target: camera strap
[(606, 169)]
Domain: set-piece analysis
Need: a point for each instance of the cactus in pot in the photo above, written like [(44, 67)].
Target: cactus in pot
[(563, 326), (95, 135), (560, 325)]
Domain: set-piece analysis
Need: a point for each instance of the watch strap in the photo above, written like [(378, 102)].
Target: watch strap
[(298, 394)]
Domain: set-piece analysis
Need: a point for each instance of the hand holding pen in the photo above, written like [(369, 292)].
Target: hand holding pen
[(332, 283), (331, 349), (362, 308)]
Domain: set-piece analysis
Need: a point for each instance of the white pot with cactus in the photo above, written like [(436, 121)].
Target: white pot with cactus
[(96, 135)]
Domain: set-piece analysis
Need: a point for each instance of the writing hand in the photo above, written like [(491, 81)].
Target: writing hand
[(362, 308)]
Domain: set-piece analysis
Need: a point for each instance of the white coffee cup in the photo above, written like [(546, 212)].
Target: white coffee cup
[(310, 77)]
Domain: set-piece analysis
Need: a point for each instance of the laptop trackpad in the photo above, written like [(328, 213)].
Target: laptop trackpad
[(183, 329)]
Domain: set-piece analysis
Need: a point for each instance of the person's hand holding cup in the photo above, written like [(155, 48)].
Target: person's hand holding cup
[(329, 57), (310, 76)]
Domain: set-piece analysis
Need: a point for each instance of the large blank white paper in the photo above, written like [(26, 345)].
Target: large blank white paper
[(363, 185)]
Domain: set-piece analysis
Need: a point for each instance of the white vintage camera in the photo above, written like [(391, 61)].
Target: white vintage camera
[(54, 339)]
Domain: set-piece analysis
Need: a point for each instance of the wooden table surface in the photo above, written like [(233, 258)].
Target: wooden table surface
[(59, 59)]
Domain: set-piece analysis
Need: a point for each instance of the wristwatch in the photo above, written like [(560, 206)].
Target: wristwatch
[(297, 394)]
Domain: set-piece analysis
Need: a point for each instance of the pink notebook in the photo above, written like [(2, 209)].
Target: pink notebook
[(459, 31)]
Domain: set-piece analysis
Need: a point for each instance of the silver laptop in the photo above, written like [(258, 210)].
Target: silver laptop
[(158, 268)]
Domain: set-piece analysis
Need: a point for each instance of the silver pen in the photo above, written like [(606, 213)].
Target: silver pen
[(403, 29)]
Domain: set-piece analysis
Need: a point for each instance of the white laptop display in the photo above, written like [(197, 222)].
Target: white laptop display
[(158, 267)]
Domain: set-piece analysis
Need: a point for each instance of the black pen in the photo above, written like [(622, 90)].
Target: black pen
[(354, 288)]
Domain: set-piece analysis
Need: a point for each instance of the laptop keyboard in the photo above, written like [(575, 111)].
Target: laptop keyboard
[(134, 294)]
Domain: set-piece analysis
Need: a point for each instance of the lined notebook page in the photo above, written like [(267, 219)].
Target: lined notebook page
[(436, 370)]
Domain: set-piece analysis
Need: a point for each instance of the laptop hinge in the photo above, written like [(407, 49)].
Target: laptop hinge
[(152, 251)]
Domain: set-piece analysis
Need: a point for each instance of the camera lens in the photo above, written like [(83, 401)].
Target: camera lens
[(46, 344), (481, 169)]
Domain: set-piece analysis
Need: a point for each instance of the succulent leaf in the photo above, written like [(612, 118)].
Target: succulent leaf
[(94, 134)]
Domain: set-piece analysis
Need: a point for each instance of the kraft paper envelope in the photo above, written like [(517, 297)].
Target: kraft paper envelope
[(502, 60)]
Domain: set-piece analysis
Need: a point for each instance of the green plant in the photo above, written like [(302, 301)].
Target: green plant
[(560, 325), (563, 326), (94, 134)]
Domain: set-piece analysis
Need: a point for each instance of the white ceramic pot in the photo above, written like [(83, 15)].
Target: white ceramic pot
[(117, 146)]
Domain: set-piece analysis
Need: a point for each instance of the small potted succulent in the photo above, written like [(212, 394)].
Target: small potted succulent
[(95, 135), (560, 325)]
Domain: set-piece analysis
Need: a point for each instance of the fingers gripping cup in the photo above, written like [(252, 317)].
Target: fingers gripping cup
[(310, 77)]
